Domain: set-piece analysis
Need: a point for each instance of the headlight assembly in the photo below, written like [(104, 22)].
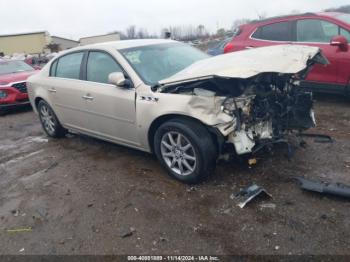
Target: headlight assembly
[(3, 94)]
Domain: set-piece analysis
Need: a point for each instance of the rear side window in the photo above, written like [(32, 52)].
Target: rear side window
[(274, 32), (315, 30), (99, 66), (53, 68), (68, 66)]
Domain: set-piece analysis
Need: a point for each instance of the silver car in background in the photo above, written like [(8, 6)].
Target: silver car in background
[(168, 98)]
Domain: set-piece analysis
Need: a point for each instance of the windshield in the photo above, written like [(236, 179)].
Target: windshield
[(344, 17), (9, 67), (157, 62)]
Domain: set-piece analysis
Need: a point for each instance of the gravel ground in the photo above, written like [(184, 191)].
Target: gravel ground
[(80, 195)]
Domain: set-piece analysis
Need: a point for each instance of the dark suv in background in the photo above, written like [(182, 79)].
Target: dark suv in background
[(328, 31)]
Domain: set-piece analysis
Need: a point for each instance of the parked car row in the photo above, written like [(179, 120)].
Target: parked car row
[(328, 31), (13, 86)]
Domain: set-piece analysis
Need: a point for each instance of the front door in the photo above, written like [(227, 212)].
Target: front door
[(112, 109), (317, 32), (344, 60)]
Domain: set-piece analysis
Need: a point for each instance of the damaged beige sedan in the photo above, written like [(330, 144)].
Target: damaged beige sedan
[(165, 97)]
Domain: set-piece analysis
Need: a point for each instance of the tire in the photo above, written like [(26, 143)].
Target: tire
[(192, 159), (49, 121)]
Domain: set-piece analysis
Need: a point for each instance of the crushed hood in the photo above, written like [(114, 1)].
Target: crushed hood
[(286, 59)]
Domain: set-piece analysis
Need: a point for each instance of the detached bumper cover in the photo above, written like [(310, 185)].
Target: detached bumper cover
[(336, 189)]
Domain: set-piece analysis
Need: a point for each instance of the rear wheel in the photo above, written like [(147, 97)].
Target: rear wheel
[(186, 150), (49, 121)]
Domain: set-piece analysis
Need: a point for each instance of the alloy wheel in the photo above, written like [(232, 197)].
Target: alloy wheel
[(178, 153), (47, 119)]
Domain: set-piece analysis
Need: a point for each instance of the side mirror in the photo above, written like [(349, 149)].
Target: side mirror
[(341, 42), (117, 78)]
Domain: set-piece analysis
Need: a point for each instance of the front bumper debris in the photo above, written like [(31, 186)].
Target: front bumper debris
[(249, 193)]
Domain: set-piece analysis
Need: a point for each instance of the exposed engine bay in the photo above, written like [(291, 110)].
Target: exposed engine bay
[(252, 97), (263, 108)]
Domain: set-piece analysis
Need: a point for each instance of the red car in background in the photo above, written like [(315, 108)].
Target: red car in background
[(13, 89), (328, 31)]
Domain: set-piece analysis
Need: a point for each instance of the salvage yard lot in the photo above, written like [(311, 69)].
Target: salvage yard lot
[(80, 196)]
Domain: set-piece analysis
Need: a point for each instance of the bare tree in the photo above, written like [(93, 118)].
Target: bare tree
[(236, 23), (221, 32), (201, 30), (343, 9), (121, 34), (54, 47), (131, 32), (142, 33), (261, 15)]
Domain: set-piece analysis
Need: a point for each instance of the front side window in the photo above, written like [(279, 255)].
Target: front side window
[(315, 30), (99, 66), (68, 66), (344, 17), (345, 33), (274, 32), (157, 62)]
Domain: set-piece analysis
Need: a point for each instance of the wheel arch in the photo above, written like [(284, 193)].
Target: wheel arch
[(217, 137), (36, 102)]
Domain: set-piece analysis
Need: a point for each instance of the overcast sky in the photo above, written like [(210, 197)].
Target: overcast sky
[(78, 18)]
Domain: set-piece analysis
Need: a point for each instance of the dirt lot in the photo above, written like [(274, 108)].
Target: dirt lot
[(79, 195)]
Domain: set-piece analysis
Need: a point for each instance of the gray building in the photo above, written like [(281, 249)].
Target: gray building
[(99, 39), (63, 43)]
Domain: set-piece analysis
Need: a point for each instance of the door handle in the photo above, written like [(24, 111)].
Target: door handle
[(88, 97), (52, 90)]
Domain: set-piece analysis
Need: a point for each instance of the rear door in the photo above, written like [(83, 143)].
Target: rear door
[(66, 89), (111, 108)]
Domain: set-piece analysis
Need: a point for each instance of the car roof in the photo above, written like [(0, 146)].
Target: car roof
[(276, 18), (127, 43), (6, 60)]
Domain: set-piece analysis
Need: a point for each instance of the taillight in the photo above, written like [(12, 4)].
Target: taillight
[(228, 48)]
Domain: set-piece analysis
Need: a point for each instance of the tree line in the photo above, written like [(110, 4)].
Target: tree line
[(191, 32)]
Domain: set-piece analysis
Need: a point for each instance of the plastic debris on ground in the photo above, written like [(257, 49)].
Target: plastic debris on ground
[(336, 189), (248, 194)]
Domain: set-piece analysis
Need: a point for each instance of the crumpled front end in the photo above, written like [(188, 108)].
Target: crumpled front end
[(266, 112), (252, 110)]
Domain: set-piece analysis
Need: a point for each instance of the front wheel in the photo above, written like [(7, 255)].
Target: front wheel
[(186, 150), (49, 121)]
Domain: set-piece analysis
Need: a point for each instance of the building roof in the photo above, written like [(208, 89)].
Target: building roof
[(98, 35), (53, 36), (28, 33)]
